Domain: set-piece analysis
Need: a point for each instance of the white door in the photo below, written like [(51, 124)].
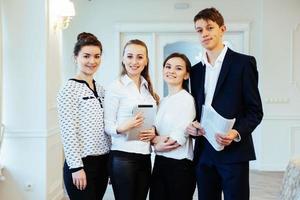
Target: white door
[(162, 39)]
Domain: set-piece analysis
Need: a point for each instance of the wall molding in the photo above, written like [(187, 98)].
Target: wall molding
[(293, 78), (177, 27), (293, 142), (279, 117), (38, 134), (277, 100), (273, 167), (180, 27)]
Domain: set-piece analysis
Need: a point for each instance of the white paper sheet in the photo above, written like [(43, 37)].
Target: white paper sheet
[(214, 123)]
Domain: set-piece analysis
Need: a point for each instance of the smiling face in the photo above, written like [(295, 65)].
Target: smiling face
[(175, 72), (210, 34), (88, 60), (135, 59)]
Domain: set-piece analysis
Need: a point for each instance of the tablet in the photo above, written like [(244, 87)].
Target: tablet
[(149, 112)]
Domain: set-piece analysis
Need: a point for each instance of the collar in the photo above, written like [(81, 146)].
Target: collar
[(126, 80), (220, 58), (80, 81)]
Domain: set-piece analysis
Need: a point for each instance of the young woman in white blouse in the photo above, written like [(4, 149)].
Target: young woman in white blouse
[(130, 163), (173, 173), (80, 108)]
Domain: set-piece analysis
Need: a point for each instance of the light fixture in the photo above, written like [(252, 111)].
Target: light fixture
[(65, 13)]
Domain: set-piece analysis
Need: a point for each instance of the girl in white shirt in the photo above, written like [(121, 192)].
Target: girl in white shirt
[(173, 173), (130, 164), (80, 109)]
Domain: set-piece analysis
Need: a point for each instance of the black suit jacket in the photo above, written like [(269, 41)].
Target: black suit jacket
[(236, 96)]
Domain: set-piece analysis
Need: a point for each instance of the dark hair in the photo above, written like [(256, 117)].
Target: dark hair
[(145, 72), (188, 66), (86, 39), (210, 14)]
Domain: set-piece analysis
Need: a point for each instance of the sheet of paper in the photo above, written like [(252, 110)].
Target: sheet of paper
[(149, 112), (213, 123)]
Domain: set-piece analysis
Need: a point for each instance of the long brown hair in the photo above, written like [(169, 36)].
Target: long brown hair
[(145, 72), (185, 83)]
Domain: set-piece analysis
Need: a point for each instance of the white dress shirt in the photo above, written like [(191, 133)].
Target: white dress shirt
[(211, 75), (211, 78), (174, 114), (120, 99)]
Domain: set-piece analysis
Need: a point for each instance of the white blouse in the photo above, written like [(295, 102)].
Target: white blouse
[(120, 99), (175, 113), (81, 121)]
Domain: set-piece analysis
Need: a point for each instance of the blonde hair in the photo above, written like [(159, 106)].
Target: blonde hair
[(145, 72)]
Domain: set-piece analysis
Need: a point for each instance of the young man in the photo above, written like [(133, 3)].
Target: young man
[(227, 81)]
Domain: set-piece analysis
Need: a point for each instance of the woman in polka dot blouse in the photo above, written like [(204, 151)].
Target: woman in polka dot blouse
[(81, 116)]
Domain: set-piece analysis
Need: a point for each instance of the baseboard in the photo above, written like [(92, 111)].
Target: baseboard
[(272, 167)]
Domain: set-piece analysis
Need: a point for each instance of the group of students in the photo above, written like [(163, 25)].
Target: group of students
[(95, 122)]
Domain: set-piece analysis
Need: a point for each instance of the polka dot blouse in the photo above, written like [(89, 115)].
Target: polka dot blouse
[(80, 111)]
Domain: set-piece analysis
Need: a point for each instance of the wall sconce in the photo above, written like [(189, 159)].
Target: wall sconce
[(65, 14)]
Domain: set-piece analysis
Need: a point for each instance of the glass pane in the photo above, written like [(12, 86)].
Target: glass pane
[(192, 50)]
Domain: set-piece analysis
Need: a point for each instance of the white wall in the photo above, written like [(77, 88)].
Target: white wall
[(54, 154), (279, 75), (1, 77), (271, 26), (32, 152), (32, 74), (100, 17)]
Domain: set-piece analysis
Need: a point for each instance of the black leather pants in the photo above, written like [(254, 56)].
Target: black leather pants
[(130, 175)]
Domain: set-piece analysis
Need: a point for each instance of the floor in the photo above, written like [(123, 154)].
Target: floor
[(263, 186)]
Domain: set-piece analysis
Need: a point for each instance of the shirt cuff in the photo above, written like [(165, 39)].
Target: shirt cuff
[(238, 138), (75, 169), (112, 130)]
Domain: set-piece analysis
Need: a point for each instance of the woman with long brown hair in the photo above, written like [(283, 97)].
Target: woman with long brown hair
[(130, 163), (173, 175)]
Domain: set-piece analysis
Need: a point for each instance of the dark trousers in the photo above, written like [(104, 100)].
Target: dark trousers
[(96, 171), (232, 179), (130, 175), (172, 179)]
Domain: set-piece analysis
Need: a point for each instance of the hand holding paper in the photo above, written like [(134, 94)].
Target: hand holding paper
[(226, 140), (213, 123)]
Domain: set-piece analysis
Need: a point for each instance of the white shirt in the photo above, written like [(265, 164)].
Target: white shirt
[(211, 78), (174, 114), (120, 99), (81, 122), (211, 75)]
